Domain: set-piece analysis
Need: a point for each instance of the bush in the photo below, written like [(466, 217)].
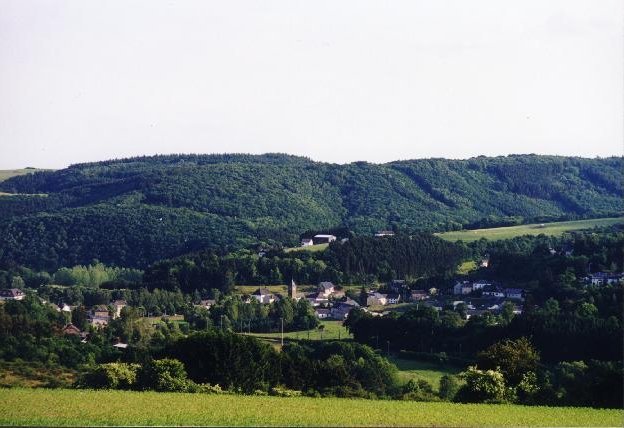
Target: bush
[(419, 390), (482, 386), (513, 358), (165, 375), (109, 376), (448, 387), (280, 391)]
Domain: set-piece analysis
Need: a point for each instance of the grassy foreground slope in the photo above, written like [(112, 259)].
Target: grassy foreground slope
[(82, 408), (554, 229)]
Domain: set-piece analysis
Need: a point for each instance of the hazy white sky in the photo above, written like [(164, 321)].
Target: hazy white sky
[(334, 80)]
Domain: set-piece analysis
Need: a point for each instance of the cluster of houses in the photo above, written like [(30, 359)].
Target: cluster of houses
[(486, 288), (327, 301), (604, 278), (98, 315)]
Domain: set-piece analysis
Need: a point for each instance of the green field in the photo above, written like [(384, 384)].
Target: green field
[(419, 370), (312, 248), (553, 229), (5, 174), (332, 330), (249, 289), (54, 407)]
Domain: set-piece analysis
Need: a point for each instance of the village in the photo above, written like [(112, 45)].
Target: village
[(334, 302)]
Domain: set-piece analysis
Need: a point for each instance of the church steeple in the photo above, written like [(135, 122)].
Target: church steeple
[(292, 289)]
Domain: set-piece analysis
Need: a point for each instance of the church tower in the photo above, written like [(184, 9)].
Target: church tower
[(292, 289)]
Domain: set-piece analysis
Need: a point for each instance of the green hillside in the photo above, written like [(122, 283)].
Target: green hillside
[(551, 229), (135, 211), (49, 407)]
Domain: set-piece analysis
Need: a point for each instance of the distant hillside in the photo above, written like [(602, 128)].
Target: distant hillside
[(135, 211)]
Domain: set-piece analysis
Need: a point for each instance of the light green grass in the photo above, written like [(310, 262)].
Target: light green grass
[(43, 407), (333, 330), (171, 318), (552, 229), (249, 289), (23, 194), (311, 248), (398, 307), (466, 267), (5, 174), (419, 370)]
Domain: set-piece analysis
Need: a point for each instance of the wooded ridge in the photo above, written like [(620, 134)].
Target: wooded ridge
[(135, 211)]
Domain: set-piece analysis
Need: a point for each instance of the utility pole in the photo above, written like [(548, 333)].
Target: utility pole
[(282, 319), (221, 322)]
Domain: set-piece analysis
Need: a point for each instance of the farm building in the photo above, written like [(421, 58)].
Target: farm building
[(323, 239)]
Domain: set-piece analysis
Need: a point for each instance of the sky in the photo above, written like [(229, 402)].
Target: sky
[(336, 80)]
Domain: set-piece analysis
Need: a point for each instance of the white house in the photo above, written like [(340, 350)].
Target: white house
[(263, 295), (375, 299), (206, 303), (393, 298), (604, 278), (326, 288), (12, 294), (341, 310), (418, 295), (307, 242), (99, 316), (462, 288), (317, 299), (513, 293), (118, 305), (324, 239), (322, 313), (494, 293), (480, 285), (383, 233)]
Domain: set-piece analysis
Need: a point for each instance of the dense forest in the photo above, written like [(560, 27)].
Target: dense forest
[(132, 212)]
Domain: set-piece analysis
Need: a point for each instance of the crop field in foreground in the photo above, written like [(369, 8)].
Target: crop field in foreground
[(76, 407), (553, 229)]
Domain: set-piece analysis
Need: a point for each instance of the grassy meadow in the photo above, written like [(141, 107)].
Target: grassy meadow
[(311, 248), (66, 407), (421, 370), (332, 330), (553, 229), (5, 174)]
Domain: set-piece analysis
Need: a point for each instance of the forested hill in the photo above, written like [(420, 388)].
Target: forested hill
[(134, 211)]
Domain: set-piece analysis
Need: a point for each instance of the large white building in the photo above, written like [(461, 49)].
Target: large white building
[(324, 239)]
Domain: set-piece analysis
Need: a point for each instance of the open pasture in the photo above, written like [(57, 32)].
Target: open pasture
[(552, 229), (332, 330)]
